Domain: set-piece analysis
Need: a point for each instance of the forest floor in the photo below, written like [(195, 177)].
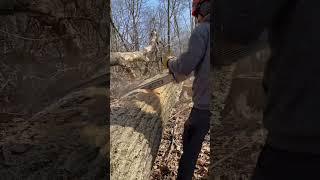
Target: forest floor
[(166, 163)]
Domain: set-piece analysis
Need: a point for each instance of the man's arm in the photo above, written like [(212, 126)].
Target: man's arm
[(188, 60), (243, 21)]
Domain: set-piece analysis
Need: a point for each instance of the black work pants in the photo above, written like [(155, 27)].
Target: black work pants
[(274, 164), (195, 129)]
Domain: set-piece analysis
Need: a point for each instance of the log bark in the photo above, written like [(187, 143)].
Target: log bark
[(136, 128)]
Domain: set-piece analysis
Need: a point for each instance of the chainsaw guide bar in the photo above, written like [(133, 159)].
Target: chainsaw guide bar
[(152, 84)]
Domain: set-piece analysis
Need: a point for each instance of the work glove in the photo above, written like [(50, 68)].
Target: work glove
[(165, 61)]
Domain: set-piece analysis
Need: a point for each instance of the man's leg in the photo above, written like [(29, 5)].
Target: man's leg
[(196, 128), (274, 164)]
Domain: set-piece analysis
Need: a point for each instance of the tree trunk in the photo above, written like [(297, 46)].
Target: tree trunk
[(136, 127)]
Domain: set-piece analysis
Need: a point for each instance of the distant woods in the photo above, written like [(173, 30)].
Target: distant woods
[(142, 32), (133, 21)]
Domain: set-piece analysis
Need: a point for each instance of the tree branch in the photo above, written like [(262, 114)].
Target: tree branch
[(126, 58)]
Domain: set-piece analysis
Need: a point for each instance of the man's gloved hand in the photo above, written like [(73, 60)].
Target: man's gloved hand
[(165, 61)]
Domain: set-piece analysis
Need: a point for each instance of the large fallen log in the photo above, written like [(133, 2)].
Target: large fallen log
[(66, 140), (136, 128)]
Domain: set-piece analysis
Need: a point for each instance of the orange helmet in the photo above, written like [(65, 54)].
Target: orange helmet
[(196, 6)]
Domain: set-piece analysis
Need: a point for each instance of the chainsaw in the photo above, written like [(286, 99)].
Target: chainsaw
[(161, 80), (222, 54)]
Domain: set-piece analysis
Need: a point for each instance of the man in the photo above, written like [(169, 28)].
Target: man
[(291, 80), (197, 59)]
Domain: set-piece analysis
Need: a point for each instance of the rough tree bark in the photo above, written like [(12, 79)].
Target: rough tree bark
[(136, 128)]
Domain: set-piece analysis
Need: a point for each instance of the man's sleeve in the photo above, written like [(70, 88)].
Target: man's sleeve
[(188, 60), (243, 21)]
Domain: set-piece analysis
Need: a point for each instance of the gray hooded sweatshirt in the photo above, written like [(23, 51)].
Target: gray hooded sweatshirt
[(196, 59)]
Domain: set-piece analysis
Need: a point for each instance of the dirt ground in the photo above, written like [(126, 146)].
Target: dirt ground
[(166, 163)]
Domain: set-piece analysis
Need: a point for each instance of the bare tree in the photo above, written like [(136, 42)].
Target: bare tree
[(134, 20), (127, 19)]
